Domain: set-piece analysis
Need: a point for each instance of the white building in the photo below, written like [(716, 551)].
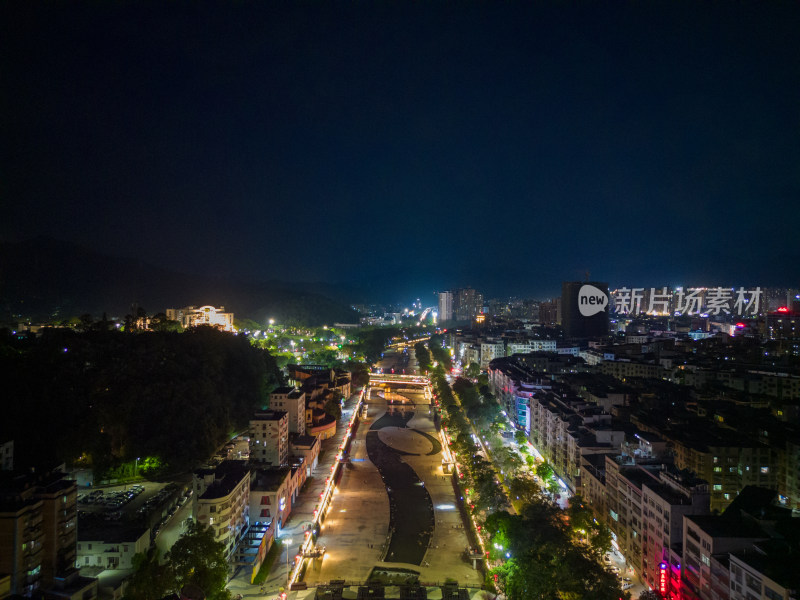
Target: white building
[(491, 350), (221, 500), (445, 306), (292, 401), (189, 316), (111, 547), (269, 438)]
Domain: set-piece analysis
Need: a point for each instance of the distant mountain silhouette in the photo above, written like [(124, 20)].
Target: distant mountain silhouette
[(44, 278)]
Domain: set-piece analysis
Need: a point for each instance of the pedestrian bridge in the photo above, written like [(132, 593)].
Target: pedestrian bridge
[(420, 380)]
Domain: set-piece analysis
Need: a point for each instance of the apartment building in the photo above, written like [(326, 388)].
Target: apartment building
[(526, 346), (513, 384), (766, 571), (221, 500), (38, 529), (665, 502), (564, 427), (624, 369), (269, 438), (293, 402), (727, 460), (489, 350), (708, 541)]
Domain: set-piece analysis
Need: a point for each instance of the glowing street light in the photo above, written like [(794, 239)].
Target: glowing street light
[(288, 545)]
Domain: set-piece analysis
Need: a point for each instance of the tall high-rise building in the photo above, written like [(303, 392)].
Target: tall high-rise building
[(550, 312), (445, 306), (467, 304), (584, 309)]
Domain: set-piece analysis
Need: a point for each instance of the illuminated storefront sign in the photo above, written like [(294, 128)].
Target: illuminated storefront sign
[(663, 577), (712, 301)]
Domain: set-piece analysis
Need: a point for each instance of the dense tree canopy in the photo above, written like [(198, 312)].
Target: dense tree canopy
[(542, 552), (423, 357), (439, 352), (111, 397), (371, 342)]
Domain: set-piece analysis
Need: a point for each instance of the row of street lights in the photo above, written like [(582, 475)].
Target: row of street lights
[(325, 498)]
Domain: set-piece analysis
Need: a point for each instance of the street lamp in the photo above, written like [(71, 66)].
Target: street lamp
[(288, 572)]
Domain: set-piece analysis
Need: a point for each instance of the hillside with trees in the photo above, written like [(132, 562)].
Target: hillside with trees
[(106, 398), (47, 280)]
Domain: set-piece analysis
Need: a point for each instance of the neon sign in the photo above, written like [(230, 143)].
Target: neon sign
[(662, 578)]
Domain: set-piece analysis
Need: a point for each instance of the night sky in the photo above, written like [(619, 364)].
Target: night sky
[(509, 146)]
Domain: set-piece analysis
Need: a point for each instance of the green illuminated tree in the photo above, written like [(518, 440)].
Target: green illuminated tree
[(199, 559)]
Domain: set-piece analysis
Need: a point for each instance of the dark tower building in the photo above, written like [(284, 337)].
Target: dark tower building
[(584, 309)]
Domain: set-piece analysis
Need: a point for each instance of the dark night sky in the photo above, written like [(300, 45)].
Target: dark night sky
[(508, 146)]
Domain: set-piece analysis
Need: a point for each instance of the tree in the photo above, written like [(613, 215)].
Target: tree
[(524, 489), (333, 407), (160, 322), (199, 559), (423, 357), (472, 370), (545, 471), (521, 438), (150, 579)]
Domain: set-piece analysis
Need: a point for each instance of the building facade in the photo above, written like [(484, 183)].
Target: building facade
[(445, 306), (269, 438), (293, 402), (221, 500), (189, 316), (38, 529)]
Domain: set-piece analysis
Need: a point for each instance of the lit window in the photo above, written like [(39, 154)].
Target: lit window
[(764, 470)]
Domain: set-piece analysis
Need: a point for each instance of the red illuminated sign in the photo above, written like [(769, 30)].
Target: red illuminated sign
[(783, 309), (662, 578)]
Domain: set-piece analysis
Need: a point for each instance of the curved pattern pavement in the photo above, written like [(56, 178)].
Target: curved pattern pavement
[(411, 516)]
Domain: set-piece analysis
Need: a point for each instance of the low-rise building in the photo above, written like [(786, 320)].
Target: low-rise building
[(111, 546), (306, 448), (273, 494)]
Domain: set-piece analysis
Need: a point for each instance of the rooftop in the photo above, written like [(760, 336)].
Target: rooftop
[(268, 479), (94, 530), (269, 415), (227, 475)]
